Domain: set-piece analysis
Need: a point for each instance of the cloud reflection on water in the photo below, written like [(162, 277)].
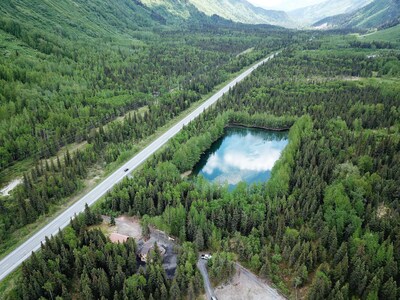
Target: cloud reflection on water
[(243, 158)]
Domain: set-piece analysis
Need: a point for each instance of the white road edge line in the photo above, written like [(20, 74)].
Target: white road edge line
[(20, 254)]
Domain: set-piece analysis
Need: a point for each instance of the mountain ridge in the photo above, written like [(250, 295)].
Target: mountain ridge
[(377, 14), (240, 11), (243, 11), (311, 14)]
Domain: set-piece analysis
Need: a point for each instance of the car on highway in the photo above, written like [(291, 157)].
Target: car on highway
[(16, 257), (206, 256)]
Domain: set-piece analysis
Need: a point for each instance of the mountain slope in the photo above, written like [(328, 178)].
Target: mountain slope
[(235, 10), (242, 11), (71, 18), (311, 14), (180, 9), (99, 18), (391, 34), (380, 13)]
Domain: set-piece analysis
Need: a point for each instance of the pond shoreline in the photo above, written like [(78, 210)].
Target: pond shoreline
[(240, 125), (242, 153)]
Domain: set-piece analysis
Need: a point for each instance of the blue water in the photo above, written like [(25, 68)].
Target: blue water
[(242, 154)]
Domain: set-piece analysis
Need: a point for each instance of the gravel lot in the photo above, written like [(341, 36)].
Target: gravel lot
[(246, 286), (130, 226)]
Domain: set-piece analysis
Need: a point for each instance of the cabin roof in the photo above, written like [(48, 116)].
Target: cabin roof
[(118, 238)]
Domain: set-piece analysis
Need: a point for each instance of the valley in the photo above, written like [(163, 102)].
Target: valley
[(15, 258), (194, 149)]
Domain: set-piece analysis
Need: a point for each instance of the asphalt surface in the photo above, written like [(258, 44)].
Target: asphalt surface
[(15, 258)]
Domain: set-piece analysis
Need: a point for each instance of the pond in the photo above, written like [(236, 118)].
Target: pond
[(242, 154)]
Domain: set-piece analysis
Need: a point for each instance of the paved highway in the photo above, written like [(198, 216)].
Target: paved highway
[(15, 258)]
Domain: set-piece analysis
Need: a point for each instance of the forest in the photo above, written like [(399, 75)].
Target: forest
[(327, 224), (57, 92), (75, 72), (107, 270)]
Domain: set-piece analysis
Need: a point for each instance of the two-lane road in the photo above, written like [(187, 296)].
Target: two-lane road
[(15, 258)]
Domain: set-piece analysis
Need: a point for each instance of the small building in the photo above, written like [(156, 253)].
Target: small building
[(118, 238), (147, 247)]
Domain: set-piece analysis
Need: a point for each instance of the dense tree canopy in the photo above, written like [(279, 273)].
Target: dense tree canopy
[(58, 91), (329, 216), (326, 224)]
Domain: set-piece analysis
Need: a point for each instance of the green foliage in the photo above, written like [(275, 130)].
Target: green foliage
[(134, 287), (324, 188), (377, 14), (188, 279), (320, 286), (278, 185), (145, 227), (106, 77), (100, 69), (339, 211), (391, 34), (104, 270), (221, 267), (175, 218), (328, 218)]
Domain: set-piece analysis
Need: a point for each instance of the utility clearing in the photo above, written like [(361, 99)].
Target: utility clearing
[(246, 286)]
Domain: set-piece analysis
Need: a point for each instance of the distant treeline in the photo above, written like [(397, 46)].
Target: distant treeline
[(325, 226)]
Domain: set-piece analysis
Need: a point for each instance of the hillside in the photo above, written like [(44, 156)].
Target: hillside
[(325, 225), (55, 54), (243, 11), (115, 102), (89, 50), (99, 79), (380, 13), (311, 14), (391, 34), (71, 19), (176, 11), (235, 10)]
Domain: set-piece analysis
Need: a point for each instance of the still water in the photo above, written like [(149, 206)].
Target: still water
[(242, 154)]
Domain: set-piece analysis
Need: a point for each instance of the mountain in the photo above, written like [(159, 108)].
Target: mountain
[(235, 10), (391, 34), (242, 11), (311, 14), (99, 18), (79, 18), (175, 11), (378, 14)]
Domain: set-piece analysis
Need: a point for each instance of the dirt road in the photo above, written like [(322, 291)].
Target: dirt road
[(246, 286), (202, 265)]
